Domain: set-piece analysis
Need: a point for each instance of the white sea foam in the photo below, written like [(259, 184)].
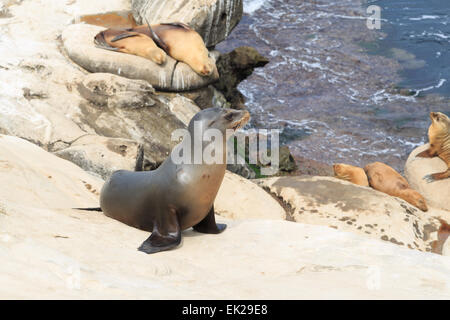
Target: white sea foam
[(424, 17), (250, 6)]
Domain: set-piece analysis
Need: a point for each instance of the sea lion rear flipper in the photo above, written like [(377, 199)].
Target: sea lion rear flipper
[(165, 237), (159, 42), (209, 225)]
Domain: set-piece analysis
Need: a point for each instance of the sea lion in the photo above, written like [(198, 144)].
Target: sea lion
[(385, 179), (173, 197), (177, 39), (136, 43), (439, 139), (350, 173)]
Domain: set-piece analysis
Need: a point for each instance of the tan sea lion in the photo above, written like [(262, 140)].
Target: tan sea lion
[(385, 179), (439, 139), (122, 40), (177, 39), (350, 173)]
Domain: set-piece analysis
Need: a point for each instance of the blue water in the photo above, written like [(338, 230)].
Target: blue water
[(332, 85), (422, 28)]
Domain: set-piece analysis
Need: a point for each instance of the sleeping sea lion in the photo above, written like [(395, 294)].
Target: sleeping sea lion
[(136, 43), (385, 179), (177, 39), (350, 173), (173, 197), (439, 139)]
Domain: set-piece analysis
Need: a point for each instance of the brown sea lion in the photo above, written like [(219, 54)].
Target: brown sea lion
[(385, 179), (182, 43), (439, 139), (350, 173), (177, 39), (123, 40), (175, 196)]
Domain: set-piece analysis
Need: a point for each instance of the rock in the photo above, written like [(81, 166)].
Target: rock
[(239, 198), (172, 76), (103, 156), (234, 67), (105, 89), (252, 259), (143, 125), (212, 19), (37, 179), (341, 205), (287, 162), (183, 108), (436, 193)]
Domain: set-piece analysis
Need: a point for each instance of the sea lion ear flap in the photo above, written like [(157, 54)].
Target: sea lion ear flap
[(157, 39)]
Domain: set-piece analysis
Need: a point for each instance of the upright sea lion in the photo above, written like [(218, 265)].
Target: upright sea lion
[(177, 39), (350, 173), (136, 43), (385, 179), (173, 197), (439, 139)]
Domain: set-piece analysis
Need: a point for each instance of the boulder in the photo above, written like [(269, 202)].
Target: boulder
[(50, 251), (417, 170), (103, 156), (234, 67), (78, 40), (345, 206), (212, 19), (239, 198)]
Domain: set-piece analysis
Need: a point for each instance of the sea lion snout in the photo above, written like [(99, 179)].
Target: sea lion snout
[(157, 55), (207, 69), (237, 119)]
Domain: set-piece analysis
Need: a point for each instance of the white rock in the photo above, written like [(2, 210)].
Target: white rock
[(49, 250), (239, 198), (103, 156), (436, 193)]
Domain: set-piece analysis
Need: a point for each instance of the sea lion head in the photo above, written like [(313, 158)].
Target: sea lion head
[(203, 65), (416, 199), (440, 120), (340, 170), (219, 118), (156, 54)]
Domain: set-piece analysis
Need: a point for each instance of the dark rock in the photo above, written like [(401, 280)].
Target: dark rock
[(233, 68)]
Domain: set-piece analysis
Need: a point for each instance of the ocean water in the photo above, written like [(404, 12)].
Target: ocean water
[(338, 91)]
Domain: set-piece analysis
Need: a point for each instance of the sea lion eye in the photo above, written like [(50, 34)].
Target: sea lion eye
[(229, 116)]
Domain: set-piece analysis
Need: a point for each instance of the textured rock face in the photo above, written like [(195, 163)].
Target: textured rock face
[(103, 156), (49, 250), (172, 76), (436, 193), (212, 19), (348, 207)]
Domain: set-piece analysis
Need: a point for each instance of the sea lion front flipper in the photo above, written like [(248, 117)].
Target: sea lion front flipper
[(100, 42), (209, 225), (164, 237), (124, 35)]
